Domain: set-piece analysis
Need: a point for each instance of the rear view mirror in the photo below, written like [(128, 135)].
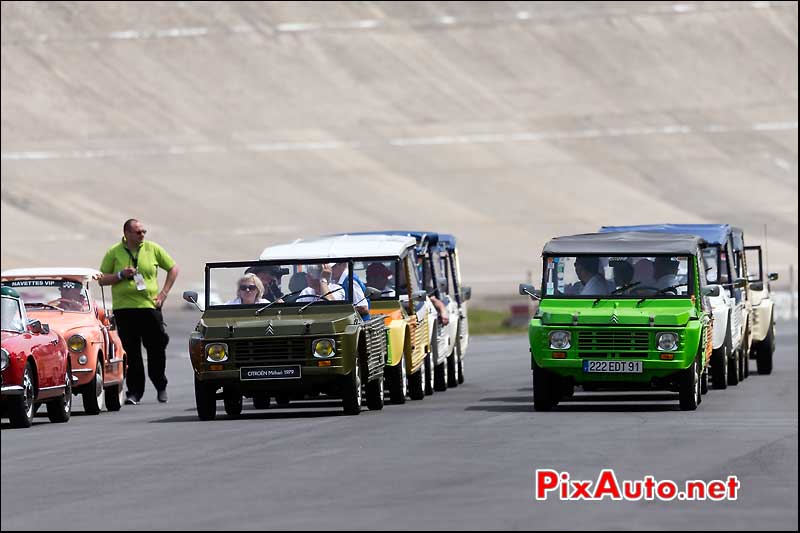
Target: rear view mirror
[(191, 297), (757, 286), (419, 295), (773, 276), (466, 293), (710, 291)]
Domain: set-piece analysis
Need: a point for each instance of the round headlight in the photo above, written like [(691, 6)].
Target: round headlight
[(560, 340), (217, 352), (324, 348), (76, 343), (5, 360), (82, 359), (667, 342)]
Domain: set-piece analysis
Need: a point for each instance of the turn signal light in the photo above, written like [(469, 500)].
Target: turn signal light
[(324, 363), (667, 356), (216, 367), (559, 355)]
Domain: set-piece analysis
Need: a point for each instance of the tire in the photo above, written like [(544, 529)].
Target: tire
[(744, 371), (114, 397), (375, 395), (93, 393), (689, 388), (764, 351), (460, 368), (429, 387), (59, 409), (21, 408), (351, 391), (396, 381), (440, 377), (283, 399), (205, 398), (567, 389), (734, 368), (232, 398), (416, 385), (261, 401), (452, 370), (546, 389)]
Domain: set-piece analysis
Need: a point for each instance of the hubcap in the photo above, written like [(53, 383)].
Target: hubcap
[(67, 391), (27, 384)]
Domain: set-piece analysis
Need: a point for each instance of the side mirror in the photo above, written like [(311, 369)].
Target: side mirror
[(38, 328), (529, 290), (419, 296), (441, 284), (112, 322), (191, 297), (466, 293), (773, 276), (757, 286), (710, 291), (739, 283)]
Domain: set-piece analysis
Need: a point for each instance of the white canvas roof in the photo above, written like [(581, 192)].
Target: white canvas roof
[(52, 272), (340, 246)]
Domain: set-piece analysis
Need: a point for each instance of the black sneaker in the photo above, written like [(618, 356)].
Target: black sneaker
[(162, 396), (131, 399)]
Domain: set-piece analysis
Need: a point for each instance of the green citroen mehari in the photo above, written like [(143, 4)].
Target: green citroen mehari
[(286, 331), (621, 310)]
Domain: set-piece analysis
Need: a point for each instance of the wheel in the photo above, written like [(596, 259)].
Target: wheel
[(546, 389), (742, 364), (115, 396), (20, 408), (60, 409), (232, 398), (375, 394), (567, 389), (764, 351), (460, 353), (704, 382), (452, 370), (734, 368), (261, 401), (351, 391), (416, 384), (460, 368), (429, 375), (93, 393), (396, 380), (205, 398), (440, 377), (283, 399), (689, 388)]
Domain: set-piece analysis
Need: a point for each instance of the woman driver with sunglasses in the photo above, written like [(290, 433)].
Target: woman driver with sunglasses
[(249, 290)]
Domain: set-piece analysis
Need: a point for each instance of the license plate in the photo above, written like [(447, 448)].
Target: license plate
[(615, 367), (269, 372)]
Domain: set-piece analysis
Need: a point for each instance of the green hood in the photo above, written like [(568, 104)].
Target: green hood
[(582, 312), (227, 324)]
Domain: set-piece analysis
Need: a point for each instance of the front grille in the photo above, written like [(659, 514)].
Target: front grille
[(250, 352), (614, 340), (375, 333), (593, 355)]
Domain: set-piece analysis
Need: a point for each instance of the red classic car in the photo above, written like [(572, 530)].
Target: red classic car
[(67, 299), (35, 366)]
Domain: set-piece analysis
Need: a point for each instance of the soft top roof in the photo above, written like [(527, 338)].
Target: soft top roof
[(340, 247), (630, 242), (441, 240), (711, 233), (82, 274)]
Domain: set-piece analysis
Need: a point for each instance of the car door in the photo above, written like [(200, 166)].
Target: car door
[(463, 318)]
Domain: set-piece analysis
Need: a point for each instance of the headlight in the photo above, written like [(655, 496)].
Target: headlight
[(560, 340), (4, 359), (324, 348), (217, 352), (667, 342), (76, 343), (82, 359)]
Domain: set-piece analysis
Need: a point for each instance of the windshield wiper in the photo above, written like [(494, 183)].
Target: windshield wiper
[(626, 287), (40, 304), (318, 299), (262, 309), (672, 288)]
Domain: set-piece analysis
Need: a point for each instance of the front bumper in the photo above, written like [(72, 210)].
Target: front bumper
[(652, 369)]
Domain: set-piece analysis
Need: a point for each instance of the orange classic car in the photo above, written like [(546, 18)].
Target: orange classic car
[(67, 300)]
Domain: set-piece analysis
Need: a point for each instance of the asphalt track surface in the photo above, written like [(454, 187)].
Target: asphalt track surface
[(462, 459)]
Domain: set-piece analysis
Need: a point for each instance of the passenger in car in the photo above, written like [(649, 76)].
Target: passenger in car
[(341, 273), (378, 276), (320, 284), (248, 291), (623, 274), (72, 298), (644, 273), (666, 272), (588, 270), (270, 277)]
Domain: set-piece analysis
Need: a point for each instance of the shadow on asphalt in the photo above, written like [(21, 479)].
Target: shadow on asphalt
[(253, 415), (586, 403)]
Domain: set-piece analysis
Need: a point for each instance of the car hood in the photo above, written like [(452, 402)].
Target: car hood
[(276, 325), (64, 322), (675, 312)]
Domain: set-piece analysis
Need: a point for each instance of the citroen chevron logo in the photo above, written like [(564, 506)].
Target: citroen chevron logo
[(270, 331), (614, 319)]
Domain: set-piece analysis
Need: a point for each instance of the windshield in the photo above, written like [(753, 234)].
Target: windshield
[(49, 294), (380, 274), (716, 262), (11, 315), (257, 283), (592, 276)]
